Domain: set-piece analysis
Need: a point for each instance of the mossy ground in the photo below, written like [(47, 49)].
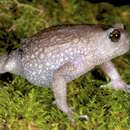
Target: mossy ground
[(27, 107)]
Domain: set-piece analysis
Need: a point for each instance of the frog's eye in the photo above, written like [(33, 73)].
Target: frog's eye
[(115, 35)]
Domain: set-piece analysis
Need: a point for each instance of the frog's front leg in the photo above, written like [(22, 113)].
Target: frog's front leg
[(62, 76), (116, 81)]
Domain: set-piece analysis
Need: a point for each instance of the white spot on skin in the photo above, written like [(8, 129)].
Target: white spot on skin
[(61, 54), (66, 58), (35, 49), (71, 53), (27, 57), (76, 40), (32, 56), (70, 49), (78, 51), (36, 65), (30, 65), (66, 51), (52, 66), (10, 66), (49, 54), (39, 71), (43, 77), (40, 66), (37, 52), (61, 60), (85, 53), (54, 56), (47, 63), (41, 55), (33, 73)]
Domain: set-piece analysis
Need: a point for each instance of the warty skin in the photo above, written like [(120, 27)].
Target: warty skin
[(58, 55)]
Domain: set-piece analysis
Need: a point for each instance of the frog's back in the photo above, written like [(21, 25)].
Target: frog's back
[(58, 35)]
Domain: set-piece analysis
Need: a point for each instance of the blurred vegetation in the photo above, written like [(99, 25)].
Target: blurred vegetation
[(27, 107)]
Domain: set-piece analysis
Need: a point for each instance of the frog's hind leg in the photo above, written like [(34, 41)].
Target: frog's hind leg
[(116, 81), (59, 89), (66, 73)]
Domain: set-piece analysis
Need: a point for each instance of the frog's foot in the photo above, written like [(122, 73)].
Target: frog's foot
[(69, 113), (118, 84), (82, 117)]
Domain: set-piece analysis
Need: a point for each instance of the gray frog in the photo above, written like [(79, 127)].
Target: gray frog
[(61, 54)]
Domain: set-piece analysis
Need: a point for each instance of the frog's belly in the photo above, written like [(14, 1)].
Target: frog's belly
[(40, 77), (41, 72)]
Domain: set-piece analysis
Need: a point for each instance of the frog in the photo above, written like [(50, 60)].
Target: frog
[(57, 55)]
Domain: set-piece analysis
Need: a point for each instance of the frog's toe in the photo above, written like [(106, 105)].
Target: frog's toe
[(84, 117), (118, 84), (104, 86)]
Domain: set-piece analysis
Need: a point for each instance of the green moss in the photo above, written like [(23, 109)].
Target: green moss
[(27, 107)]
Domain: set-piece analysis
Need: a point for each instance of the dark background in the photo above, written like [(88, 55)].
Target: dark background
[(114, 2)]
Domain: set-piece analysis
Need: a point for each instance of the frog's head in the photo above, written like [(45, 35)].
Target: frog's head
[(116, 41)]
